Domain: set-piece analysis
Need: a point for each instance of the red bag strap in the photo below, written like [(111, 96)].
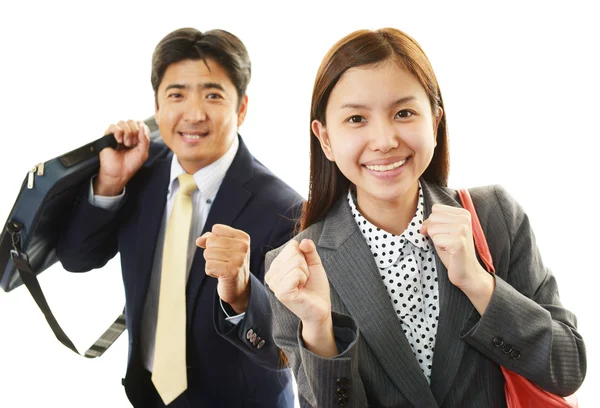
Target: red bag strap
[(520, 392), (478, 236)]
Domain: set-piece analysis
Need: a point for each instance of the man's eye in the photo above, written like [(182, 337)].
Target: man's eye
[(356, 119), (175, 96), (214, 96)]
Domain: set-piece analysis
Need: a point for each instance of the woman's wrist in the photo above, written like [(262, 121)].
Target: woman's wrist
[(319, 338), (480, 290)]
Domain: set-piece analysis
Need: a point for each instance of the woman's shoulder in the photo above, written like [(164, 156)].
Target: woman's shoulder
[(495, 198), (497, 209), (313, 233)]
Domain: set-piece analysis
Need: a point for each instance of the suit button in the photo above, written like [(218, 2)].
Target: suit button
[(343, 382), (516, 354), (253, 338), (260, 344), (507, 348), (498, 341), (250, 332), (343, 400)]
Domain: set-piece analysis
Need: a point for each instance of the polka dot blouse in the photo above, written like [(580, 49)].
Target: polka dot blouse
[(407, 267)]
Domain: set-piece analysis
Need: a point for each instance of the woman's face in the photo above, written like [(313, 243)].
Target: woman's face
[(380, 131)]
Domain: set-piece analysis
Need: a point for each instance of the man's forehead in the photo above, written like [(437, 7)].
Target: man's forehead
[(195, 73)]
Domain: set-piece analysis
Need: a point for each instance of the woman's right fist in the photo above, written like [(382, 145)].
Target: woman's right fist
[(118, 166), (298, 280)]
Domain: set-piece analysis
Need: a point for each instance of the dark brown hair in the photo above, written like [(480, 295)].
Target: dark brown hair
[(360, 48), (189, 43)]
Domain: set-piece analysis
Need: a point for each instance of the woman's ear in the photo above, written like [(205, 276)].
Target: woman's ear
[(320, 132), (437, 118)]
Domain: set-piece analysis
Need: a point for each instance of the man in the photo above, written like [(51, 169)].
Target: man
[(194, 341)]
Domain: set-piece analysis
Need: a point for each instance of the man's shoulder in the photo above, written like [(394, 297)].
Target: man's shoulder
[(271, 187)]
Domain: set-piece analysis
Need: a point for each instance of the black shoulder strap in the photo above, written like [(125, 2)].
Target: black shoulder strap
[(30, 280)]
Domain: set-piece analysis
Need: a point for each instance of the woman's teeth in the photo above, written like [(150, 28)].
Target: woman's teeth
[(386, 167)]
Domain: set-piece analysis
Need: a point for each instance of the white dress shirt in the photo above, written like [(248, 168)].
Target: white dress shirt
[(407, 267), (209, 180)]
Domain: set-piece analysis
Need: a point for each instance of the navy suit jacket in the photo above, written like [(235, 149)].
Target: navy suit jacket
[(226, 368)]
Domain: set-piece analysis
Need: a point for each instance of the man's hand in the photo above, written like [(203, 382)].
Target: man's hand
[(227, 255), (117, 167)]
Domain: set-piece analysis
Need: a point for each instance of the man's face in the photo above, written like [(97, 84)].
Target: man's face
[(197, 112)]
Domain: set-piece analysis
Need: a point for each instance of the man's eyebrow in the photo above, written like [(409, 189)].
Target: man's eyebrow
[(212, 85), (207, 85), (176, 86)]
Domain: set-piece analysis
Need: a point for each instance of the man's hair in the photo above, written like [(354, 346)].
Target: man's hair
[(190, 44)]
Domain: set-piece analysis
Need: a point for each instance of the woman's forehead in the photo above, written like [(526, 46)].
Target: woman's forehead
[(374, 84)]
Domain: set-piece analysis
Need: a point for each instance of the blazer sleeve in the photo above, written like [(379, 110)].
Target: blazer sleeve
[(90, 239), (253, 334), (322, 382), (525, 328)]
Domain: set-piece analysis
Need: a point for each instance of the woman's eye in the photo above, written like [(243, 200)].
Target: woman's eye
[(356, 119), (404, 114)]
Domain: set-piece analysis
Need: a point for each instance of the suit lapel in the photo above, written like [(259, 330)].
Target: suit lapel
[(229, 203), (354, 275), (152, 203), (455, 307)]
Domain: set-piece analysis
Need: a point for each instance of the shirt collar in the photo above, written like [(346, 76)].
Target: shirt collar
[(208, 178), (380, 241)]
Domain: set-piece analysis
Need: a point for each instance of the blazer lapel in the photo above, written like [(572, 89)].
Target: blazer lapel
[(229, 202), (152, 202), (354, 275), (455, 307)]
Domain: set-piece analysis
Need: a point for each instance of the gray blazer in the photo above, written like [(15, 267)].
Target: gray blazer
[(524, 328)]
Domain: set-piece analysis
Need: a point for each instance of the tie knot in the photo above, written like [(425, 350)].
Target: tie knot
[(187, 184)]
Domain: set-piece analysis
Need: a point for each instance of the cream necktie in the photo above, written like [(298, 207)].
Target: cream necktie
[(169, 374)]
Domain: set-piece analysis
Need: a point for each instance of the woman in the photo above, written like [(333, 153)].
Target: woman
[(381, 300)]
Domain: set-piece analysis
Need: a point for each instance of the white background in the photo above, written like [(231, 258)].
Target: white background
[(521, 87)]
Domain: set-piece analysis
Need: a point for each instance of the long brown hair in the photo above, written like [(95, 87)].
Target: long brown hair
[(366, 47)]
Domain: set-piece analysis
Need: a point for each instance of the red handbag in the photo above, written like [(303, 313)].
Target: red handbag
[(520, 392)]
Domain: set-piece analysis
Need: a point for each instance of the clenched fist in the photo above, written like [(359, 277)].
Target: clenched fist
[(450, 230), (227, 255), (118, 166), (298, 280)]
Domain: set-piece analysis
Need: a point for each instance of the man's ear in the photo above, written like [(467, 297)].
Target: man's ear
[(242, 110), (156, 119), (320, 132)]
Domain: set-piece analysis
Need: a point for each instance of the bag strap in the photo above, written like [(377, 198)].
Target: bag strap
[(478, 236), (31, 282), (516, 385)]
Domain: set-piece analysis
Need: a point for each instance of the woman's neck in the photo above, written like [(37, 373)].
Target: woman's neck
[(392, 216)]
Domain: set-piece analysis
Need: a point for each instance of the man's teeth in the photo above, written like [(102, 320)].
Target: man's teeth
[(189, 136), (386, 167)]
